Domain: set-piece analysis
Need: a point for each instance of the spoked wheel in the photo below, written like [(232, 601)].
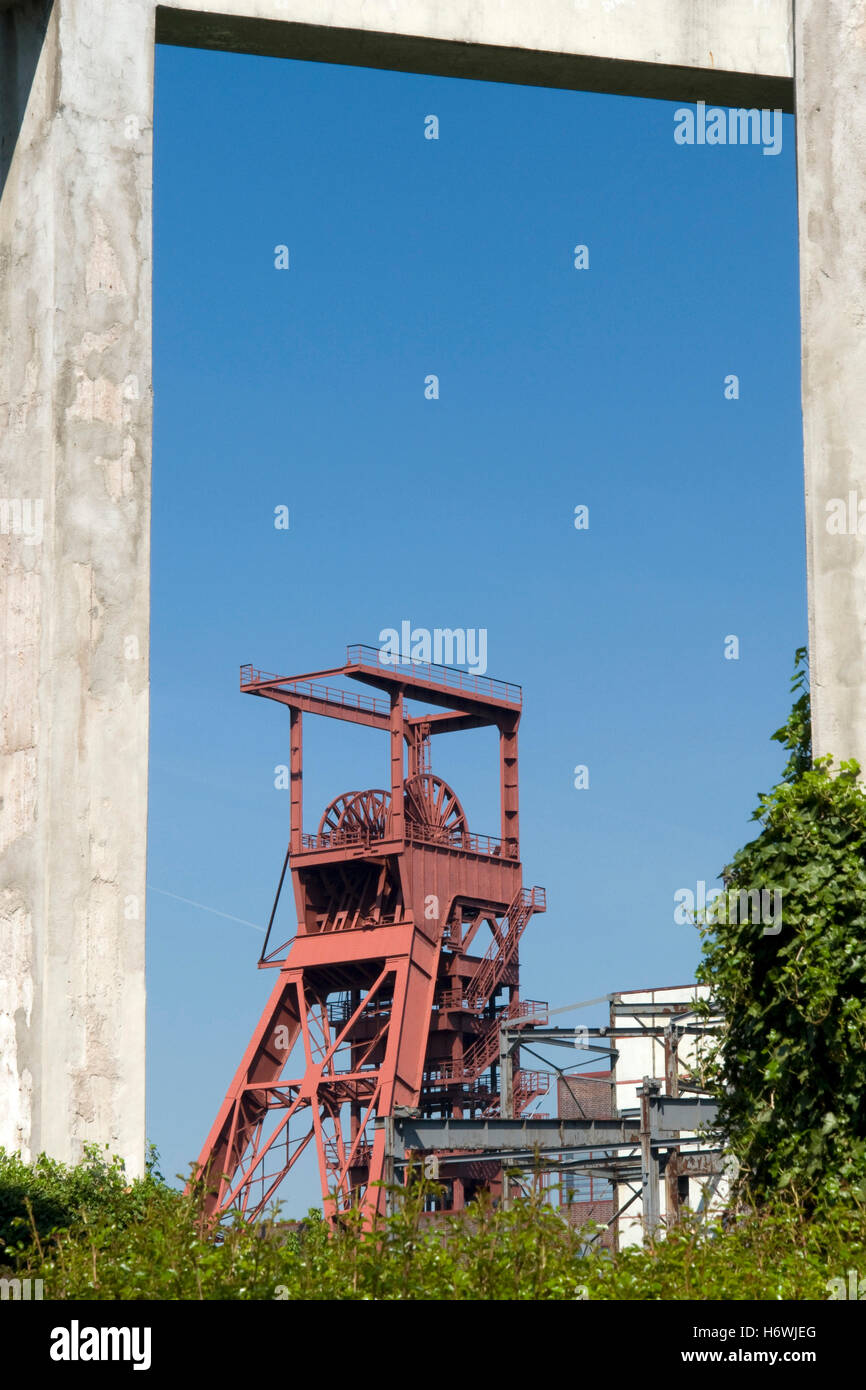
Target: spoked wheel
[(357, 815), (431, 803)]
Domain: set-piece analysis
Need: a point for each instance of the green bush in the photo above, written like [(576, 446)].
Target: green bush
[(149, 1241), (790, 1070), (38, 1198)]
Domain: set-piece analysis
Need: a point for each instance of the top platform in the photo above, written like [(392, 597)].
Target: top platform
[(417, 680)]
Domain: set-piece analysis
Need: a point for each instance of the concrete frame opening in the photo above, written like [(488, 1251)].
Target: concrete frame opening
[(75, 388)]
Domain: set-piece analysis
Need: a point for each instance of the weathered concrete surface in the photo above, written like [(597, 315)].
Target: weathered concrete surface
[(75, 411), (733, 52), (831, 180)]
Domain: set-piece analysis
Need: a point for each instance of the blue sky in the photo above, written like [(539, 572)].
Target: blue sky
[(604, 387)]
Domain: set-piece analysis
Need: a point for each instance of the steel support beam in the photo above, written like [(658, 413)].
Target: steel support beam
[(505, 1135), (648, 1158)]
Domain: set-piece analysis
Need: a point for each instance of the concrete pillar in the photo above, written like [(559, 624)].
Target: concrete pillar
[(75, 417), (830, 76)]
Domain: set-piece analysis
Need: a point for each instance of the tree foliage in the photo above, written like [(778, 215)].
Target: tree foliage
[(791, 1066)]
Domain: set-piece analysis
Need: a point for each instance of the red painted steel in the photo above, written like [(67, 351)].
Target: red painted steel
[(406, 955)]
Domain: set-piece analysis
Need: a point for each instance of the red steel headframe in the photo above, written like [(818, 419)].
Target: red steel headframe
[(382, 998)]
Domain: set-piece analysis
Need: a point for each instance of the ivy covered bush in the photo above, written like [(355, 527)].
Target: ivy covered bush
[(791, 1068)]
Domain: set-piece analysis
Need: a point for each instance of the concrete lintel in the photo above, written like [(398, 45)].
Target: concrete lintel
[(735, 54)]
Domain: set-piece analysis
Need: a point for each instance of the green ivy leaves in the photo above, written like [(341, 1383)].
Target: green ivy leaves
[(792, 1051)]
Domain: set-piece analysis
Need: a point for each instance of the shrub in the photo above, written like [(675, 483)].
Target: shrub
[(151, 1242), (790, 1070)]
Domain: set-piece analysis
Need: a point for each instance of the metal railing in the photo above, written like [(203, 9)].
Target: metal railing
[(422, 834), (526, 1085), (501, 952), (314, 690), (532, 1008), (466, 998), (336, 839), (485, 1049), (459, 839), (450, 677)]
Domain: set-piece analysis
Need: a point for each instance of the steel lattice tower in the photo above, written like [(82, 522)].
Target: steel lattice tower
[(405, 960)]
